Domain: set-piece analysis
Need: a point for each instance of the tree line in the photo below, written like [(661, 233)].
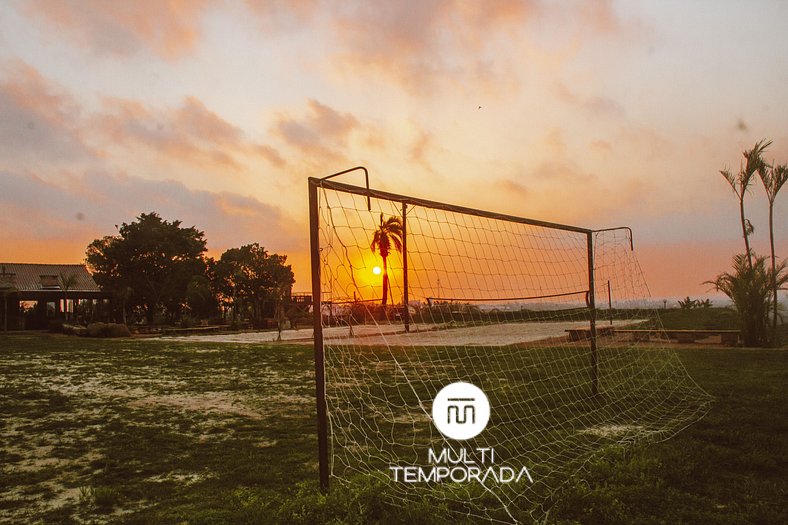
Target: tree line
[(158, 272)]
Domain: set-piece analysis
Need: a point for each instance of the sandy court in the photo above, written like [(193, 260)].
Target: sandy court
[(421, 335)]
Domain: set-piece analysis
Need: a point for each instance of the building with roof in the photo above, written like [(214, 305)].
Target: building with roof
[(56, 289)]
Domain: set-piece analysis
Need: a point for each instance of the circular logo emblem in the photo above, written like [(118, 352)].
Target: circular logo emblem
[(460, 411)]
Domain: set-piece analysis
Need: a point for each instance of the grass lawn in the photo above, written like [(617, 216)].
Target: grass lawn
[(148, 431)]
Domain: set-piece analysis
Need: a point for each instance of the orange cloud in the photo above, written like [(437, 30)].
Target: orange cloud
[(169, 28)]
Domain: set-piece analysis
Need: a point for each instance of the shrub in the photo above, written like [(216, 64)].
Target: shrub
[(750, 289), (74, 329), (187, 321), (106, 497)]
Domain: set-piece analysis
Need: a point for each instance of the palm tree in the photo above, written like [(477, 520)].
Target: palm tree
[(66, 283), (740, 183), (388, 234), (773, 179)]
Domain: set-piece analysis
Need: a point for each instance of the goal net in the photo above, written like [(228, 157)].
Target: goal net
[(552, 323)]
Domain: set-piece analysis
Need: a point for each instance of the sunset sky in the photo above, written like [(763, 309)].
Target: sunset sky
[(596, 114)]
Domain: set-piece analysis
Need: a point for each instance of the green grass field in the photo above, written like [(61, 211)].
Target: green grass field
[(147, 431)]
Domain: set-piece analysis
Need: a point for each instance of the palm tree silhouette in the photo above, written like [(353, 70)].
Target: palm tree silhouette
[(67, 282), (773, 178), (388, 234), (740, 184)]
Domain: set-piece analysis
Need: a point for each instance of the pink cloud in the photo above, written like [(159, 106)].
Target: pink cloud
[(433, 44), (594, 106), (169, 28), (321, 136), (283, 14), (38, 118), (73, 209), (190, 134), (416, 44)]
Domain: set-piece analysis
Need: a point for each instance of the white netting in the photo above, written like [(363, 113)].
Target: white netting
[(502, 305)]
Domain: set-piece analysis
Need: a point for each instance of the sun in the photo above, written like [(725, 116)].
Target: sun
[(376, 270)]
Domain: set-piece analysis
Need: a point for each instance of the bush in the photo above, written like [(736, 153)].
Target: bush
[(108, 330), (216, 320), (55, 326), (106, 497), (187, 321), (749, 286), (74, 329)]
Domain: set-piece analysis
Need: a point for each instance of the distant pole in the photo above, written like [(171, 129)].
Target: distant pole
[(320, 371), (592, 312), (406, 317), (610, 302)]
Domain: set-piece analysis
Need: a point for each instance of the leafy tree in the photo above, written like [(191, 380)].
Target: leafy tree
[(251, 280), (740, 184), (199, 297), (388, 234), (773, 178), (153, 257), (688, 304)]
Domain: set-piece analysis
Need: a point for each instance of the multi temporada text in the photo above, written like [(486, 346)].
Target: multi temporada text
[(459, 467)]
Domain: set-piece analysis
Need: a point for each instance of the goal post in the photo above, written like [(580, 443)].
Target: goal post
[(412, 295), (317, 326)]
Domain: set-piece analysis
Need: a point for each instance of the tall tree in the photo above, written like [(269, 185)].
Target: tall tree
[(250, 279), (153, 257), (773, 178), (387, 235), (740, 184)]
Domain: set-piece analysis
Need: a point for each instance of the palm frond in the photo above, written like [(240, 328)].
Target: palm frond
[(773, 180), (731, 178), (754, 158)]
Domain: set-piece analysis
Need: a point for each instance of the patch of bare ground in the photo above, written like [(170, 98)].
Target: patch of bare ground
[(93, 431)]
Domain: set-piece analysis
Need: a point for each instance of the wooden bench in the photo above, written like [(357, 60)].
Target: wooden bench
[(580, 334), (727, 337)]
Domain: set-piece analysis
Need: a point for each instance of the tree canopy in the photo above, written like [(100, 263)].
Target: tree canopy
[(251, 280), (152, 260)]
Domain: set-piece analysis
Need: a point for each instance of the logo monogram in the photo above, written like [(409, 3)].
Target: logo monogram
[(460, 411), (461, 416)]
